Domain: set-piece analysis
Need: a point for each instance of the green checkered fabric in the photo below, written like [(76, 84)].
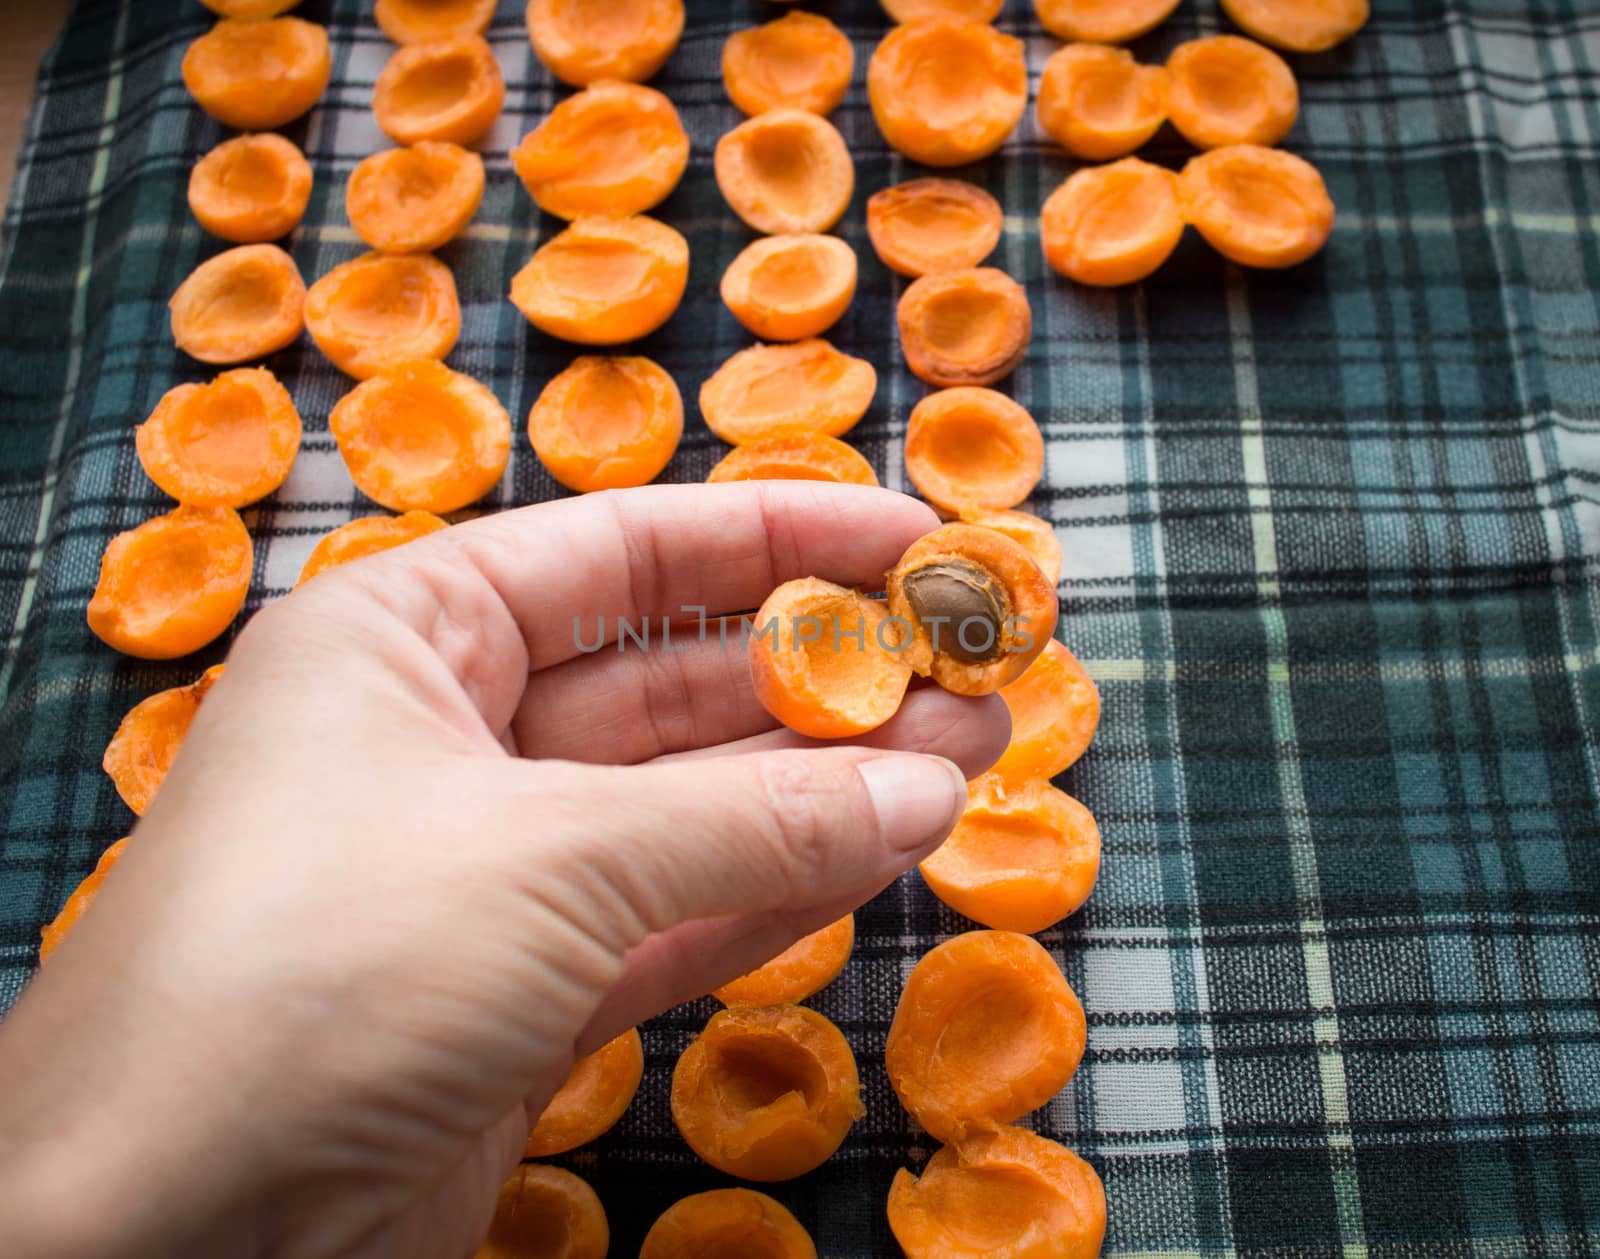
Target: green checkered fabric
[(1331, 539)]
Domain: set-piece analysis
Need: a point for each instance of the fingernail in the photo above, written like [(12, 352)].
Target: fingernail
[(917, 798)]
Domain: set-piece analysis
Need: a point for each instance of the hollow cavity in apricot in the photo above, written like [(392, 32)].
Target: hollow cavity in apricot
[(1103, 21), (416, 199), (380, 310), (1055, 711), (945, 91), (257, 75), (422, 437), (807, 966), (1112, 225), (1007, 1192), (806, 457), (250, 189), (582, 41), (1258, 207), (766, 1092), (1299, 25), (548, 1212), (367, 536), (222, 444), (596, 1092), (607, 423), (973, 449), (174, 584), (933, 224), (1227, 90), (922, 10), (786, 170), (787, 288), (243, 304), (148, 738), (964, 327), (1097, 102), (444, 89), (55, 931), (986, 1030), (612, 149), (727, 1224), (1035, 535), (791, 390), (418, 21), (604, 281), (801, 60)]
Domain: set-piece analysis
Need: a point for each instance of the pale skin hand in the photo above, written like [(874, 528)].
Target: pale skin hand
[(372, 917)]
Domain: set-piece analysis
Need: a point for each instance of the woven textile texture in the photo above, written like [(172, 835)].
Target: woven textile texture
[(1331, 539)]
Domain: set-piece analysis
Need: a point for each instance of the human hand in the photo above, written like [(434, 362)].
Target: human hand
[(420, 851)]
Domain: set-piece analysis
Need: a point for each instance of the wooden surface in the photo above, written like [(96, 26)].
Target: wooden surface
[(27, 28)]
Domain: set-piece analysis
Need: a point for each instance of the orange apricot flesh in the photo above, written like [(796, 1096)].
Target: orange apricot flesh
[(414, 200), (973, 449), (583, 41), (174, 584), (933, 224), (770, 391), (379, 310), (805, 457), (964, 327), (1102, 21), (788, 288), (1112, 225), (243, 304), (421, 437), (826, 661), (222, 444), (597, 1090), (1299, 25), (445, 89), (614, 148), (1035, 535), (1055, 711), (1098, 103), (1006, 1193), (546, 1212), (258, 75), (604, 281), (1227, 90), (250, 10), (766, 1092), (370, 535), (799, 61), (607, 423), (727, 1224), (786, 170), (986, 1030), (1258, 207), (418, 21), (55, 931), (946, 92), (921, 10), (807, 966), (148, 738), (250, 189), (1022, 858)]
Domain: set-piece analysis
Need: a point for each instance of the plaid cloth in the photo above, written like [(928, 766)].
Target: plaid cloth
[(1331, 541)]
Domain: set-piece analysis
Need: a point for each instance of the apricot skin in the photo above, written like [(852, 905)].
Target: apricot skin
[(147, 740), (806, 967), (597, 1091), (1055, 711), (55, 931)]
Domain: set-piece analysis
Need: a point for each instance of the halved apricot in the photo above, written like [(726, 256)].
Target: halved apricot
[(222, 444), (1110, 225), (148, 738), (1299, 25), (986, 1030), (766, 1092), (727, 1224), (422, 437), (1227, 90), (243, 304), (1103, 21), (807, 457), (787, 170), (444, 89), (258, 75), (1097, 102), (1008, 1192), (607, 423), (1055, 711), (414, 200), (946, 92), (583, 41), (790, 390), (548, 1212), (591, 1100), (604, 281), (55, 931), (973, 449), (807, 966), (979, 609), (252, 10), (787, 288), (967, 327), (1022, 858), (367, 536), (932, 224), (379, 310), (827, 661), (1257, 207), (1036, 535), (801, 61), (173, 584), (922, 10), (250, 189), (418, 21), (614, 148)]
